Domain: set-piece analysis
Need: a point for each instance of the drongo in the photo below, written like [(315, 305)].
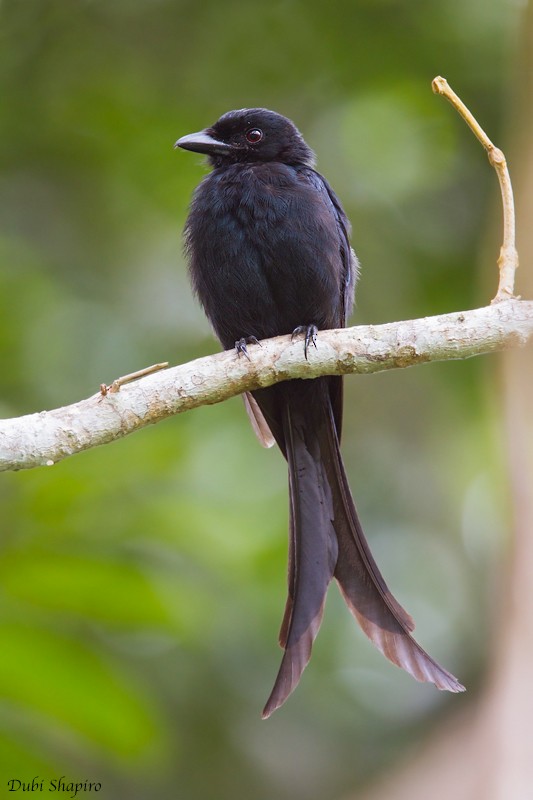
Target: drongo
[(268, 247)]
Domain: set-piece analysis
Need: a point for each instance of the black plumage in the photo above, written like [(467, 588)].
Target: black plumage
[(269, 254)]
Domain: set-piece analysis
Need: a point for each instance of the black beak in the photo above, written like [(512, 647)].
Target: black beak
[(202, 142)]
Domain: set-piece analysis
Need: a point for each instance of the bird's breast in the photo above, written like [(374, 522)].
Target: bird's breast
[(253, 193), (259, 252)]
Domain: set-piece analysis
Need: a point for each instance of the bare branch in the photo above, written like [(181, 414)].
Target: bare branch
[(45, 438), (508, 259), (148, 396)]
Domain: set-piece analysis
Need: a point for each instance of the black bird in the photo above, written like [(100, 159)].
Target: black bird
[(269, 254)]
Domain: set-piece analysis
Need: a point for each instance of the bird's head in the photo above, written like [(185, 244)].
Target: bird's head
[(250, 135)]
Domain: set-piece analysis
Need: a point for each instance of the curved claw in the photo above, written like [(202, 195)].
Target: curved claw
[(310, 332), (240, 345)]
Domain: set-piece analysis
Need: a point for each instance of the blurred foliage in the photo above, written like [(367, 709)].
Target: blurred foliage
[(141, 584)]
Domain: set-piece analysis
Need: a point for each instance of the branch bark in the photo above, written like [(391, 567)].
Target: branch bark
[(50, 436)]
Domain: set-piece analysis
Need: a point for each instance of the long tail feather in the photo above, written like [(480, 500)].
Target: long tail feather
[(313, 553), (326, 540), (367, 596)]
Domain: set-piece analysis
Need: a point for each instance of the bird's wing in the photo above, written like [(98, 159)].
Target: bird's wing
[(350, 264), (349, 273)]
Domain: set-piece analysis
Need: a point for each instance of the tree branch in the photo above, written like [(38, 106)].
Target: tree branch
[(508, 258), (45, 438), (129, 404)]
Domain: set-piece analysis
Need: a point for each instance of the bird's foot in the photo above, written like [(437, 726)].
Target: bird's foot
[(241, 345), (310, 332)]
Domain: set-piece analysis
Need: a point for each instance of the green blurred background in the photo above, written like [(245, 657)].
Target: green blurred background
[(142, 583)]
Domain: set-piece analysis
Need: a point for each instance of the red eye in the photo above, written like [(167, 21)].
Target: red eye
[(254, 135)]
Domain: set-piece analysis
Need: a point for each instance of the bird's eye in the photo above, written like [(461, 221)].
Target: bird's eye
[(254, 135)]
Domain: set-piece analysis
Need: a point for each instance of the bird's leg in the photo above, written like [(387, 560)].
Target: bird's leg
[(310, 332), (240, 345)]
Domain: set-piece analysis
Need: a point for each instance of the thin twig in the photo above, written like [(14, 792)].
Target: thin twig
[(508, 259), (132, 376)]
